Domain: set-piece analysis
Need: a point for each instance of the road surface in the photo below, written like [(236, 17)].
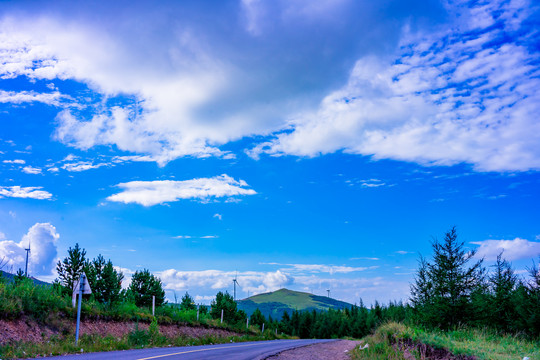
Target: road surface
[(233, 351)]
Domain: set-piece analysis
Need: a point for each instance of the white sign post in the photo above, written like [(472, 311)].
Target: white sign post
[(82, 287)]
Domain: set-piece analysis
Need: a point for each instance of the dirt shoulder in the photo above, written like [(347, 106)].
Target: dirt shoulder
[(335, 350)]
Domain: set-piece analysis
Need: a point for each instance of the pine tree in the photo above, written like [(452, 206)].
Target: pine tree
[(257, 318), (503, 282), (225, 302), (71, 267), (443, 288), (187, 303), (143, 286)]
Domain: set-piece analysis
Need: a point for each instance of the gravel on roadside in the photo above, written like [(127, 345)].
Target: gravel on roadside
[(335, 350)]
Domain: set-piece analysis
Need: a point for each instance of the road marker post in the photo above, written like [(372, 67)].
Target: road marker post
[(197, 312), (153, 304), (247, 323), (222, 316), (82, 287), (262, 329)]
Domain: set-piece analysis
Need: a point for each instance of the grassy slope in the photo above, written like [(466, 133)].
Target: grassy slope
[(275, 303), (483, 344)]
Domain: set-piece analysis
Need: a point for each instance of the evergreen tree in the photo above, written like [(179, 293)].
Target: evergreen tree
[(187, 303), (71, 267), (443, 288), (112, 280), (532, 302), (503, 282), (19, 277), (257, 318), (143, 286), (105, 281), (225, 302)]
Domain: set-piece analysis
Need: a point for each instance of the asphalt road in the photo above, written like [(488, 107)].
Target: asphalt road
[(236, 351)]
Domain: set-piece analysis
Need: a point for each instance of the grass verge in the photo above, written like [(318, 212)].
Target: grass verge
[(482, 343)]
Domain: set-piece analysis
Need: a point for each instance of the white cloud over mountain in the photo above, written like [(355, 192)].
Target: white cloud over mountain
[(148, 193), (42, 239)]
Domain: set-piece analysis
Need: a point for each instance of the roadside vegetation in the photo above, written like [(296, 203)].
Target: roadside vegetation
[(399, 341), (456, 304)]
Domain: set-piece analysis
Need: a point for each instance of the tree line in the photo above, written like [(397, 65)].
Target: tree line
[(106, 282)]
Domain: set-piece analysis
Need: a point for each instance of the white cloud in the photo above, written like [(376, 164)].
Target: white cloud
[(372, 183), (513, 249), (209, 237), (42, 238), (218, 216), (31, 170), (403, 252), (13, 97), (148, 193), (321, 268), (16, 161), (451, 96), (81, 166), (24, 192)]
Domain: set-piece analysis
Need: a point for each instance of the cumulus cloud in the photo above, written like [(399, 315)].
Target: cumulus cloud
[(148, 193), (25, 192), (512, 249), (42, 239), (467, 93)]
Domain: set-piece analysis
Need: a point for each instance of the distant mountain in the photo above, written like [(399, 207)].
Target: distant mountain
[(277, 302), (10, 277)]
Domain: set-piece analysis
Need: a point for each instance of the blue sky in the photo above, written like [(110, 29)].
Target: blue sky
[(308, 145)]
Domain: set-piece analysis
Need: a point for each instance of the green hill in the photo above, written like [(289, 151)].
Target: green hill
[(277, 302), (10, 277)]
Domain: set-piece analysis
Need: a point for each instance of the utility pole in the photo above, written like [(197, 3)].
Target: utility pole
[(27, 254)]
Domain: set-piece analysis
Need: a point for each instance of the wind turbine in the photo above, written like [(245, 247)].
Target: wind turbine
[(235, 282), (27, 253)]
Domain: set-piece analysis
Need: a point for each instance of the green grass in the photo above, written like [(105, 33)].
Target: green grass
[(484, 344)]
